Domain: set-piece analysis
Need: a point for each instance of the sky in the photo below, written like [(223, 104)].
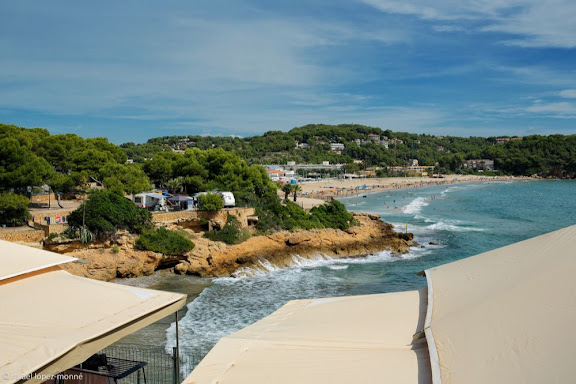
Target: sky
[(134, 69)]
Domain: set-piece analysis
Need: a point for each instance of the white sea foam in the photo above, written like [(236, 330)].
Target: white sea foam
[(450, 190), (446, 226), (415, 206), (264, 267), (415, 229)]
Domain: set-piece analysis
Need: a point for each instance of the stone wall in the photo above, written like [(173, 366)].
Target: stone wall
[(181, 216), (48, 229), (27, 236), (43, 198)]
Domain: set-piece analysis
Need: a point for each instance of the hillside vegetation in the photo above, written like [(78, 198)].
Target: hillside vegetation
[(32, 158), (553, 155)]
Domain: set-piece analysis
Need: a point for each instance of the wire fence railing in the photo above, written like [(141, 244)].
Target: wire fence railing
[(161, 368)]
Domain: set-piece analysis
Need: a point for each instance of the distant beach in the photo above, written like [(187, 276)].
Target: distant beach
[(326, 189)]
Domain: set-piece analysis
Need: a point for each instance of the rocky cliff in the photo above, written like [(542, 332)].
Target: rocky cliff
[(107, 260), (118, 258), (105, 264), (212, 259)]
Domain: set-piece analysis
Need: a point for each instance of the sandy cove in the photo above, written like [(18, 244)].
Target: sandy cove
[(216, 259), (338, 188)]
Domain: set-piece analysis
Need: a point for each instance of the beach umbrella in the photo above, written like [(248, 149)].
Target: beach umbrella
[(504, 316)]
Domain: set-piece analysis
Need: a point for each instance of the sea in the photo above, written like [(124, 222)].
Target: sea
[(449, 222)]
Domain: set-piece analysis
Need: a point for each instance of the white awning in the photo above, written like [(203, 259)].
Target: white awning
[(51, 320), (506, 316), (16, 259), (336, 340)]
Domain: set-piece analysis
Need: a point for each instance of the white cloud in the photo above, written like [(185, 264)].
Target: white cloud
[(178, 65), (536, 23), (536, 75), (558, 110), (448, 28), (568, 93)]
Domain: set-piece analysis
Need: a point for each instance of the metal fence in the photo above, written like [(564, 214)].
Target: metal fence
[(161, 368)]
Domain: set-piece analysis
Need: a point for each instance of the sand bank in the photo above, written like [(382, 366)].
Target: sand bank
[(328, 188)]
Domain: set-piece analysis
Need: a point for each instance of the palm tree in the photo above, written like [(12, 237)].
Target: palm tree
[(287, 189), (174, 185), (296, 189)]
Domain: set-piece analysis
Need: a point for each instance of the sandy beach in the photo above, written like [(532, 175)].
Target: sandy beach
[(334, 188)]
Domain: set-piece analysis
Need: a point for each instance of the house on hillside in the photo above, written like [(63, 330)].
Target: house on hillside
[(302, 145), (479, 164), (336, 146), (276, 174), (374, 137)]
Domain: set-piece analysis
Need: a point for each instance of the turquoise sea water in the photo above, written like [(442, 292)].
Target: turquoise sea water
[(464, 219)]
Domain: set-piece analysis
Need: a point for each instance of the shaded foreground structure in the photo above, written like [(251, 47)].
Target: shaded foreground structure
[(51, 320), (504, 316)]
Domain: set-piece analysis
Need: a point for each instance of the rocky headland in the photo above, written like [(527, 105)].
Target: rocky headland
[(212, 259), (118, 258)]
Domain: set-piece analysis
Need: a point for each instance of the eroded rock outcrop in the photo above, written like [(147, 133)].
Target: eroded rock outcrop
[(211, 259), (118, 258), (106, 264)]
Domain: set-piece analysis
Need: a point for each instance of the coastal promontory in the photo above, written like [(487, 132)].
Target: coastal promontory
[(216, 259)]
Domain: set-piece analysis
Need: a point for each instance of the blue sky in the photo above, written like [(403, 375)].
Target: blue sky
[(134, 69)]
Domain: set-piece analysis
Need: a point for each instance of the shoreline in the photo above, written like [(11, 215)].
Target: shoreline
[(215, 259), (330, 189)]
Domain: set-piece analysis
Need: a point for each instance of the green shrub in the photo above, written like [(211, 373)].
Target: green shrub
[(13, 209), (106, 212), (333, 215), (210, 202), (273, 216), (185, 234), (115, 249), (52, 236), (231, 233), (164, 241), (85, 235)]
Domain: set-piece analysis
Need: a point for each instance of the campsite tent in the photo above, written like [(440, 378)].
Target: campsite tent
[(51, 320), (180, 198), (504, 316)]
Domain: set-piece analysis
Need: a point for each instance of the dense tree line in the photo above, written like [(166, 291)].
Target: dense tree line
[(199, 170), (545, 155), (33, 157)]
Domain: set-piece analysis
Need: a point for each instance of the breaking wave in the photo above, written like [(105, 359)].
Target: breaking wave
[(415, 206)]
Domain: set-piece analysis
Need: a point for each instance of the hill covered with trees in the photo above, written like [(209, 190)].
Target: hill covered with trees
[(553, 155), (31, 158)]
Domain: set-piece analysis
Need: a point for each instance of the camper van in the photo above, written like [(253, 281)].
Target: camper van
[(228, 199), (151, 201)]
